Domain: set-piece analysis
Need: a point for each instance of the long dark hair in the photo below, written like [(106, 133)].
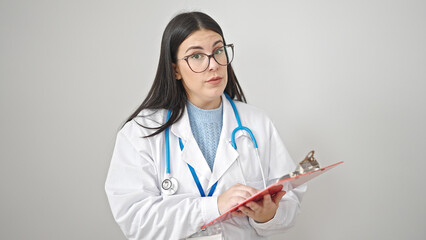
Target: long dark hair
[(168, 93)]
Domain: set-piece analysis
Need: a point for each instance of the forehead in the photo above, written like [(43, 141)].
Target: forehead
[(203, 38)]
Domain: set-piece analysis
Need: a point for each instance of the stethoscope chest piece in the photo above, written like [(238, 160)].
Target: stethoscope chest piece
[(169, 186)]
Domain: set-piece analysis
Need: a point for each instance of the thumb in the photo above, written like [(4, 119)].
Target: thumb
[(277, 198)]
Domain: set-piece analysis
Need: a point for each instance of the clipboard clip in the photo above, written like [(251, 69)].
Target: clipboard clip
[(308, 164)]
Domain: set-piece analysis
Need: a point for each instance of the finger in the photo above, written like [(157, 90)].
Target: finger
[(238, 214), (242, 193), (277, 198), (267, 199), (237, 199), (248, 189), (247, 211), (254, 206)]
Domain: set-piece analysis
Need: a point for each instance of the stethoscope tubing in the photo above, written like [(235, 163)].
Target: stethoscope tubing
[(234, 145), (168, 146), (240, 126)]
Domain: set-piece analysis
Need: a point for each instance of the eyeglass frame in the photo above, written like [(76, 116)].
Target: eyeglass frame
[(210, 56)]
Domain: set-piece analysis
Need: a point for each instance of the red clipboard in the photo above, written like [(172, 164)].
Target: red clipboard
[(286, 185)]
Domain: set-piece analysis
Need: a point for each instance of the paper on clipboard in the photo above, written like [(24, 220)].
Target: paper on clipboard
[(287, 183)]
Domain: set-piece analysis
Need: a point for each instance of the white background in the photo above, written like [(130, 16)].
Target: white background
[(346, 78)]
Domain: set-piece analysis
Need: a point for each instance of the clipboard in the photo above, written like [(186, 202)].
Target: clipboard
[(307, 170)]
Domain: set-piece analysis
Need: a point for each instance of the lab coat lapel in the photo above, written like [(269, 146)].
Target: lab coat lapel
[(226, 154), (191, 153)]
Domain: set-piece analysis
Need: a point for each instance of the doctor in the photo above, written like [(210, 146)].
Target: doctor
[(175, 167)]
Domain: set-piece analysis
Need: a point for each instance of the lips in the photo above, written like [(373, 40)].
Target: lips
[(215, 79)]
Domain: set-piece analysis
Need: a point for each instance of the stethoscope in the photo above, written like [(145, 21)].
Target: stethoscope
[(170, 185)]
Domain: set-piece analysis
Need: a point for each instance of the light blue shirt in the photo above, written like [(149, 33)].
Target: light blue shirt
[(206, 126)]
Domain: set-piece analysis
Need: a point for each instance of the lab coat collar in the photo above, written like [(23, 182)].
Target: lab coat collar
[(191, 153), (225, 155)]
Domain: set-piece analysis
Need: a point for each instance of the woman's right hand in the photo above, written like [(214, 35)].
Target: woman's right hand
[(233, 196)]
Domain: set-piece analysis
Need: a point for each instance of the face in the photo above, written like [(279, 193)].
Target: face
[(203, 89)]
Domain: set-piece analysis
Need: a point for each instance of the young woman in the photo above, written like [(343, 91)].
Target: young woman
[(179, 163)]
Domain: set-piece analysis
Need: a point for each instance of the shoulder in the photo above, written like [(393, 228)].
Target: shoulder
[(251, 112), (256, 119), (142, 124)]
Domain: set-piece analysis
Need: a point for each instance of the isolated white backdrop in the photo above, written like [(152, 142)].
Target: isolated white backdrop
[(346, 78)]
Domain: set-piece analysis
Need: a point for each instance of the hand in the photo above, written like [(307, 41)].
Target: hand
[(263, 210), (233, 196)]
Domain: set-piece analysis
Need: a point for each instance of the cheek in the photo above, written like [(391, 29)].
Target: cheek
[(190, 79), (188, 75), (225, 74), (184, 69)]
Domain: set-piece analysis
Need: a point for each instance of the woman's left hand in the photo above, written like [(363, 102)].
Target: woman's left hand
[(261, 211)]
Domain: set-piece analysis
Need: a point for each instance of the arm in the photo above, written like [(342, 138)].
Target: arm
[(136, 201)]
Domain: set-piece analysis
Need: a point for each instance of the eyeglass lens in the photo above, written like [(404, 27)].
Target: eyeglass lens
[(199, 62)]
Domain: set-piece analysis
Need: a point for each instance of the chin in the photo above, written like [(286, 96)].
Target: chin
[(217, 93)]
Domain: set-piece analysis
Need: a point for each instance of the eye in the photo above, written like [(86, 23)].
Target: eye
[(196, 56), (218, 51)]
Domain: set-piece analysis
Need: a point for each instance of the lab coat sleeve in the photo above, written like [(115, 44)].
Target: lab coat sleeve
[(280, 163), (136, 201)]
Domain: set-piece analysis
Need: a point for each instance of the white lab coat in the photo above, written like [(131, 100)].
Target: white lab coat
[(138, 168)]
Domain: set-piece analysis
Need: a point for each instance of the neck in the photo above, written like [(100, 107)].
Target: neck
[(207, 104)]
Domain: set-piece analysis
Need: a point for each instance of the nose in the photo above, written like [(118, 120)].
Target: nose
[(213, 65)]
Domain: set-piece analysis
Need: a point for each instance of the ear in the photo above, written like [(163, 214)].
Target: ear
[(178, 76)]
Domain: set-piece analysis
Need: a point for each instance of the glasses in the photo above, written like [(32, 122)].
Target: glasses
[(199, 62)]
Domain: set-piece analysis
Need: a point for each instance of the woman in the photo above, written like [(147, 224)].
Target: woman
[(175, 167)]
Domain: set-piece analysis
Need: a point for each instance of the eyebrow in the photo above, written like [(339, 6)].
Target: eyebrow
[(198, 47)]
